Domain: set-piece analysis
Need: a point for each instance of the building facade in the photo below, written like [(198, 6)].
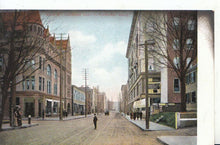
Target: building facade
[(39, 94), (78, 100), (136, 64)]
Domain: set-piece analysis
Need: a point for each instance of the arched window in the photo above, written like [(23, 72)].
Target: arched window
[(48, 70), (55, 74)]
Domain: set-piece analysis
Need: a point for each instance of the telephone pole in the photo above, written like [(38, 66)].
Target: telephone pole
[(61, 80), (86, 78)]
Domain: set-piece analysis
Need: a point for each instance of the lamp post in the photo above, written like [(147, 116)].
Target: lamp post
[(61, 81), (149, 42)]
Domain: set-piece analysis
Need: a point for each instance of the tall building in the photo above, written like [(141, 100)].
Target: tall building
[(160, 31), (40, 92), (136, 67)]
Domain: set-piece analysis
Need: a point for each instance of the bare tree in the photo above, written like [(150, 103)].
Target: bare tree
[(23, 39), (174, 38)]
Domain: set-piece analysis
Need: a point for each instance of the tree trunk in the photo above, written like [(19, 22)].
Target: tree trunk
[(183, 93), (4, 98), (13, 103)]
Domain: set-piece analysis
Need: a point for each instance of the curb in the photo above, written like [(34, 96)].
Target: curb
[(19, 127)]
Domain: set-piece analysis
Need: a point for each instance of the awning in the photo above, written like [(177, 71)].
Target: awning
[(141, 103)]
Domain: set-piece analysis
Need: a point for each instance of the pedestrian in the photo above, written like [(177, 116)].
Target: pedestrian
[(43, 114), (141, 115), (18, 115), (95, 119)]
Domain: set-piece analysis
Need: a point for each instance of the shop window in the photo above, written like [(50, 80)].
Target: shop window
[(55, 107), (176, 85), (48, 107)]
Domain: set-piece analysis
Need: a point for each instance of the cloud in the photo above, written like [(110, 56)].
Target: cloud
[(81, 40), (108, 54)]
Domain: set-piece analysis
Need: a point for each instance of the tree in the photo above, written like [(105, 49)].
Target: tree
[(23, 39), (173, 34)]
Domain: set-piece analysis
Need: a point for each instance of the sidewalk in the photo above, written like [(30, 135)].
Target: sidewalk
[(57, 118), (167, 140), (152, 126), (6, 126)]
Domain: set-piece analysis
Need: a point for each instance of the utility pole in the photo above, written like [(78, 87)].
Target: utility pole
[(146, 76), (86, 78), (146, 86), (61, 81)]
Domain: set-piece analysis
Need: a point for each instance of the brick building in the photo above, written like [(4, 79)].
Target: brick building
[(40, 92)]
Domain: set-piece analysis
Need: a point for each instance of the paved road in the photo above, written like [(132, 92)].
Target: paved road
[(112, 129)]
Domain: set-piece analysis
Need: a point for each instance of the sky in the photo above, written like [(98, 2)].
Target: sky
[(99, 42)]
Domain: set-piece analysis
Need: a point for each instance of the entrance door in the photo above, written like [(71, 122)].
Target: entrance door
[(29, 109)]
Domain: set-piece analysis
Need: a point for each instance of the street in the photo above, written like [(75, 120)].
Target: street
[(112, 129)]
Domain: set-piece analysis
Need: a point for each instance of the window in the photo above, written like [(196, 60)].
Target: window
[(188, 98), (193, 97), (17, 101), (40, 80), (176, 44), (43, 63), (48, 70), (191, 24), (48, 87), (189, 43), (33, 82), (23, 83), (176, 85), (55, 89), (193, 77), (55, 74), (188, 61), (176, 62), (32, 63), (176, 22), (28, 85), (187, 79), (40, 62), (55, 107), (43, 84)]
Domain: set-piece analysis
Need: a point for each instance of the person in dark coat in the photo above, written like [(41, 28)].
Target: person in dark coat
[(95, 119), (18, 115)]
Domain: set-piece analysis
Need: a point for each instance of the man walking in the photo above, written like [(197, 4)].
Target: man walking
[(95, 119)]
